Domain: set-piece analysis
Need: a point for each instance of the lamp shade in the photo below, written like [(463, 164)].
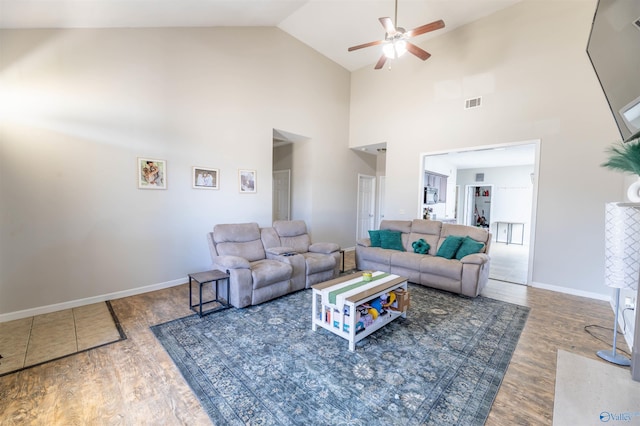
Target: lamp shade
[(622, 245)]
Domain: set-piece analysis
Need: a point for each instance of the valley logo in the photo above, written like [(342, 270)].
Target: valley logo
[(606, 416)]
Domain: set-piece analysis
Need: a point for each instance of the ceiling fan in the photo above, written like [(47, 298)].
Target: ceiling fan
[(396, 42)]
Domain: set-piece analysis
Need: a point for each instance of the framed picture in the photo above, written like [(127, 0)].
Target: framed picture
[(152, 174), (205, 178), (247, 181)]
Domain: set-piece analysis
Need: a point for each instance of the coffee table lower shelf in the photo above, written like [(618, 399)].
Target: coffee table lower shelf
[(345, 325)]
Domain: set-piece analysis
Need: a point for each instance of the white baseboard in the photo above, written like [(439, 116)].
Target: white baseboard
[(572, 291), (89, 300)]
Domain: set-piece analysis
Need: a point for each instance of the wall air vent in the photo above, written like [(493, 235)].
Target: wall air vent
[(637, 23), (473, 103), (479, 177)]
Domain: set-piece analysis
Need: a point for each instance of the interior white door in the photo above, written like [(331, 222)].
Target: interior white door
[(381, 198), (281, 195), (366, 205)]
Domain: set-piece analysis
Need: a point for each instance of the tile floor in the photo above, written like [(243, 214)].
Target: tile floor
[(509, 262), (29, 341)]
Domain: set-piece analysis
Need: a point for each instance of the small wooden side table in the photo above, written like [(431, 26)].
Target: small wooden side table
[(202, 278)]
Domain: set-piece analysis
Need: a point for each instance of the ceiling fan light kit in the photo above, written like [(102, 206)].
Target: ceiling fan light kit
[(395, 43), (395, 49)]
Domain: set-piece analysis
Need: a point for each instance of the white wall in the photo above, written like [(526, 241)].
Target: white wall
[(79, 106), (529, 64)]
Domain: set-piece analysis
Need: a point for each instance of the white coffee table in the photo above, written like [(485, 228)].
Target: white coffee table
[(341, 296)]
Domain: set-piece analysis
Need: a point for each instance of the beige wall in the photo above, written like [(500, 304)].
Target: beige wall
[(529, 64), (79, 106)]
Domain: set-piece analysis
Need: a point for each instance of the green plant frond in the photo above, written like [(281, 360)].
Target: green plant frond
[(624, 157)]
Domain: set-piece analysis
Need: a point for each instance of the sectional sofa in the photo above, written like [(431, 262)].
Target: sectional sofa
[(456, 260)]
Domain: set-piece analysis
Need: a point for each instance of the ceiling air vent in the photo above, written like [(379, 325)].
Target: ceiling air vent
[(479, 177), (473, 103)]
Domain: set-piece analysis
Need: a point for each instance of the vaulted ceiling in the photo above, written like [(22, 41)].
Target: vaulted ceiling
[(328, 26)]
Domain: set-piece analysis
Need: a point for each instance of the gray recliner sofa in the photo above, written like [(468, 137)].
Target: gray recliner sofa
[(466, 276), (262, 268)]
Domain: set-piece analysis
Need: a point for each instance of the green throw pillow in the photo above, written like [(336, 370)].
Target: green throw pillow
[(449, 247), (375, 238), (420, 246), (391, 240), (469, 246)]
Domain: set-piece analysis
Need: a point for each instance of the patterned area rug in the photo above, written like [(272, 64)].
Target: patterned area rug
[(442, 365)]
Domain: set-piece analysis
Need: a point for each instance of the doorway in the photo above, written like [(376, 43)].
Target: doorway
[(477, 206), (287, 174), (281, 195), (381, 199), (366, 205), (503, 179)]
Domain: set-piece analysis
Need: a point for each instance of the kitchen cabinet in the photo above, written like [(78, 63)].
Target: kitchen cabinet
[(435, 188)]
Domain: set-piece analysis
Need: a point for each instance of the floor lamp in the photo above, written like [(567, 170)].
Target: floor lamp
[(622, 261)]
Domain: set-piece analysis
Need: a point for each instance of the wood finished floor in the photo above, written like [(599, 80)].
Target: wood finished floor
[(134, 382)]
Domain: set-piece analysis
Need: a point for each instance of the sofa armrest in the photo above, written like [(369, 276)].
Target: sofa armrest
[(475, 258), (231, 262), (324, 248), (277, 251), (365, 242)]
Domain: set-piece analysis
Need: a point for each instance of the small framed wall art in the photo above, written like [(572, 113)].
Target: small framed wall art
[(152, 174), (247, 181), (205, 178)]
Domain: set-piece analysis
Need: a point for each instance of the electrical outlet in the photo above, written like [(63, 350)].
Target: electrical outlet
[(629, 302)]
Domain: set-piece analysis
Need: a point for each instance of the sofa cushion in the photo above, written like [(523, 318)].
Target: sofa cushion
[(250, 250), (425, 226), (374, 236), (236, 232), (406, 260), (439, 266), (391, 240), (317, 262), (449, 247), (299, 243), (325, 248), (267, 272), (239, 239), (469, 246), (403, 226), (290, 228)]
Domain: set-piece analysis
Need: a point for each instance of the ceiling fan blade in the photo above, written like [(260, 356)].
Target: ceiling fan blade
[(387, 23), (422, 54), (435, 25), (380, 62), (361, 46)]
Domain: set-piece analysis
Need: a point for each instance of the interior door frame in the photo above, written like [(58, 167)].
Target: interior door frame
[(534, 202), (372, 207), (381, 200)]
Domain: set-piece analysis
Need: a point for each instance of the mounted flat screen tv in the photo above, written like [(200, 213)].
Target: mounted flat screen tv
[(614, 51)]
